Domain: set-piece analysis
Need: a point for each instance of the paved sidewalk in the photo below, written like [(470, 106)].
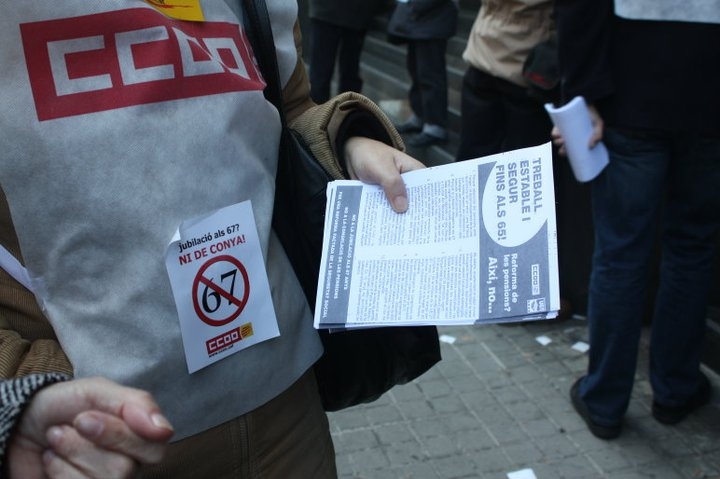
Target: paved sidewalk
[(498, 403)]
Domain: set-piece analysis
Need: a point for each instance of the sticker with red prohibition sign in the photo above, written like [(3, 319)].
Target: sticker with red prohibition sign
[(220, 285)]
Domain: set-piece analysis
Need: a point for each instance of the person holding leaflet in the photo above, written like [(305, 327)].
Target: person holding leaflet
[(137, 192)]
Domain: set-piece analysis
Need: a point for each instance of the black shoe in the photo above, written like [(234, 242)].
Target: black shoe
[(424, 139), (409, 127), (602, 432), (673, 415)]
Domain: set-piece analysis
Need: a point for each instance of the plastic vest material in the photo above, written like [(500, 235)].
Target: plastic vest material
[(117, 124)]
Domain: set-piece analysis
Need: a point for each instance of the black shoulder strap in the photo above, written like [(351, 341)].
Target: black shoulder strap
[(259, 31)]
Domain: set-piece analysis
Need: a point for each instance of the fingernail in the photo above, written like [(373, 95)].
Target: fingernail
[(160, 421), (53, 435), (89, 425), (400, 204)]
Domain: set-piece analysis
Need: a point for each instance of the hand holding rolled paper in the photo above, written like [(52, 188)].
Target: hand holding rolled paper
[(576, 128)]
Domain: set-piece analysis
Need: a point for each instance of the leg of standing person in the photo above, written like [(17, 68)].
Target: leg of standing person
[(431, 79), (692, 217), (351, 47), (482, 124), (324, 41), (417, 119), (626, 198), (527, 122)]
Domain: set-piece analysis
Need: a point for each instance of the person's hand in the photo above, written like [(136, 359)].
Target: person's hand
[(375, 162), (87, 428), (598, 129)]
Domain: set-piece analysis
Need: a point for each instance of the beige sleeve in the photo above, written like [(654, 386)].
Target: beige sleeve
[(27, 341)]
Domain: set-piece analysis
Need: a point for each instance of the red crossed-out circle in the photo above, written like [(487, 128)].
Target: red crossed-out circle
[(239, 303)]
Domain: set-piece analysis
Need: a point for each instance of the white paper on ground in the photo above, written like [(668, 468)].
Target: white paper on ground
[(573, 121), (522, 474)]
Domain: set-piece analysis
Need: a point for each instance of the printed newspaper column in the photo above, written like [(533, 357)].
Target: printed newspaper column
[(220, 285)]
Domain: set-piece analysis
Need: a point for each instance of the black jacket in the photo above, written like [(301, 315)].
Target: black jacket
[(641, 74), (423, 20)]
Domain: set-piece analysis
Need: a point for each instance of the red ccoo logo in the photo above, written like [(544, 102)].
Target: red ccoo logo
[(132, 57)]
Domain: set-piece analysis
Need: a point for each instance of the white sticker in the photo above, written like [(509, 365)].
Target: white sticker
[(220, 285)]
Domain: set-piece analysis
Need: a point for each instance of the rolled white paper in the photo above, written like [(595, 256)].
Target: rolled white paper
[(573, 121)]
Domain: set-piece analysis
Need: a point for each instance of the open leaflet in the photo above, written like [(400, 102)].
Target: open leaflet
[(478, 244)]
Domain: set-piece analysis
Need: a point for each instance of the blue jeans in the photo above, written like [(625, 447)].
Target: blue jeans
[(655, 183)]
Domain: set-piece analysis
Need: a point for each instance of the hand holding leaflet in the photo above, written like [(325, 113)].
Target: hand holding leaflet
[(573, 121), (477, 245)]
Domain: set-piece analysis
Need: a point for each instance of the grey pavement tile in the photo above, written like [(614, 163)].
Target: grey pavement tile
[(440, 447), (512, 359), (542, 355), (415, 409), (673, 447), (434, 388), (697, 467), (509, 395), (577, 467), (475, 441), (540, 428), (409, 391), (556, 447), (639, 451), (658, 471), (492, 461), (383, 414), (370, 460), (609, 459), (392, 433), (522, 453), (405, 453), (433, 426), (351, 418), (351, 441), (466, 382), (523, 411), (449, 404), (506, 434), (416, 471), (559, 369), (456, 467), (479, 400), (497, 381)]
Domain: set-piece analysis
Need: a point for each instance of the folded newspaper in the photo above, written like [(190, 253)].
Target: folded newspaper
[(478, 244)]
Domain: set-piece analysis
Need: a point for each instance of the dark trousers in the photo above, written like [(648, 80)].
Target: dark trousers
[(428, 93), (654, 178), (497, 116), (330, 43)]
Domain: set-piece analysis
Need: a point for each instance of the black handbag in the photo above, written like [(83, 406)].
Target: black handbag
[(542, 72), (357, 366)]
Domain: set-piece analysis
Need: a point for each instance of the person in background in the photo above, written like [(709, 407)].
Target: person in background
[(512, 72), (498, 111), (90, 428), (337, 35), (649, 70), (134, 139), (425, 26)]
